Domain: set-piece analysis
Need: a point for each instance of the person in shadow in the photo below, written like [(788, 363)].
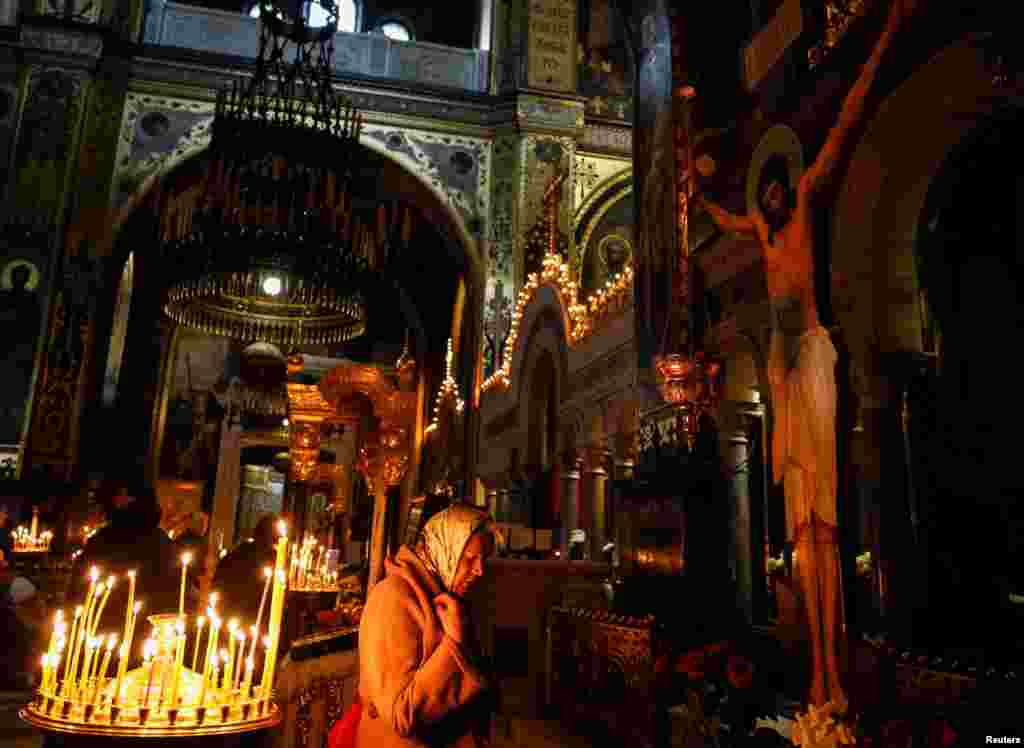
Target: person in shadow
[(239, 578), (132, 541)]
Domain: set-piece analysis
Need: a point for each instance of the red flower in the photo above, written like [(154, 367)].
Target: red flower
[(740, 672)]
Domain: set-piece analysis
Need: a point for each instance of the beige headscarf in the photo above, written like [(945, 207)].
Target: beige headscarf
[(445, 535)]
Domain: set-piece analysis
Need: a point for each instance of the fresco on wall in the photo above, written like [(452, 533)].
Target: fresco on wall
[(605, 71), (20, 323)]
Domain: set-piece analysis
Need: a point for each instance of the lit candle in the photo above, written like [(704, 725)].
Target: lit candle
[(131, 605), (186, 558), (236, 665), (148, 651), (111, 643), (103, 604), (254, 635), (225, 657), (229, 669), (122, 661), (276, 609), (213, 640), (268, 574), (199, 635), (71, 649), (58, 619), (247, 682), (90, 650), (35, 523), (179, 656)]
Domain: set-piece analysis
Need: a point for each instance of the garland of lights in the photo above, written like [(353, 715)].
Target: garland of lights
[(583, 317), (449, 391)]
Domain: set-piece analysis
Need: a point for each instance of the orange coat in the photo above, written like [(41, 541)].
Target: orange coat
[(418, 686)]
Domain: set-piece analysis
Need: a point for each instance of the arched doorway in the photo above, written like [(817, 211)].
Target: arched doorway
[(969, 258)]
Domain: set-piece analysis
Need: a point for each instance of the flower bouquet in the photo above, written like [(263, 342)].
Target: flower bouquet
[(828, 726), (716, 698)]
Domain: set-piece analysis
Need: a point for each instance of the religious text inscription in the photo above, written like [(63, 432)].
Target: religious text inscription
[(551, 49)]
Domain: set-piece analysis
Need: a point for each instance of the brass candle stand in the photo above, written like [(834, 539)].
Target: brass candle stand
[(198, 677)]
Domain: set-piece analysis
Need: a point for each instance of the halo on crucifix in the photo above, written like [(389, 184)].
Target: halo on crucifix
[(780, 140), (6, 281)]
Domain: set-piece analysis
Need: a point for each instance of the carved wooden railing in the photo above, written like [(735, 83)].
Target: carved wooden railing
[(600, 669)]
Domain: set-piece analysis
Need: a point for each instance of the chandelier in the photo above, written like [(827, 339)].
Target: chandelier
[(274, 250)]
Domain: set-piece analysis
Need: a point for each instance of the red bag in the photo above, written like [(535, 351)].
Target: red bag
[(343, 734)]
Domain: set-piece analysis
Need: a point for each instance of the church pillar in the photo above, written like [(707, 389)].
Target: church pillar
[(534, 65), (747, 543), (570, 498), (228, 485), (597, 485)]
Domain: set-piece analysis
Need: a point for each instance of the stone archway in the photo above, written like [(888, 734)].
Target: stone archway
[(875, 219)]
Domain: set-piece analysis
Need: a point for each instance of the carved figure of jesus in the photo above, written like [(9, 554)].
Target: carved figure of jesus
[(802, 370)]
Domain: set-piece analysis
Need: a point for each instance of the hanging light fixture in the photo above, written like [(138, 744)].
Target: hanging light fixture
[(274, 250), (689, 381)]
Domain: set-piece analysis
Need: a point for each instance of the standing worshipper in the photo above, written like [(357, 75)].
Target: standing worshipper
[(421, 679)]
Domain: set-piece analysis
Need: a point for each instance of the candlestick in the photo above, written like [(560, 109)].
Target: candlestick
[(199, 635), (185, 559), (276, 609)]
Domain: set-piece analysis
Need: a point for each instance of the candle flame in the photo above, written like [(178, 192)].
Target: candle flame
[(232, 625), (224, 655), (137, 607), (186, 559), (213, 599), (282, 529), (179, 627), (94, 574), (201, 621), (266, 642), (78, 611), (131, 574), (267, 571), (111, 642)]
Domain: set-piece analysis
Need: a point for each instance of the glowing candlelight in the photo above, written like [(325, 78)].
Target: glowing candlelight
[(229, 669), (213, 640), (102, 676), (103, 604), (179, 656), (199, 635), (236, 665), (131, 605), (148, 652), (247, 681), (68, 663), (186, 558), (35, 523), (225, 657)]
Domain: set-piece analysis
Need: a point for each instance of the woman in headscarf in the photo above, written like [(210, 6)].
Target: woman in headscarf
[(420, 674)]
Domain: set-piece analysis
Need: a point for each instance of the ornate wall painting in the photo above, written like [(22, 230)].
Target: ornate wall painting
[(604, 65), (21, 315)]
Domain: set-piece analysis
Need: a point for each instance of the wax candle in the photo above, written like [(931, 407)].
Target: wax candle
[(268, 574), (131, 605), (254, 635), (213, 643), (232, 648), (199, 635), (148, 651), (179, 656), (185, 559), (276, 609), (35, 523), (225, 658), (103, 604), (79, 611), (236, 665), (111, 643), (58, 618), (247, 681), (122, 661)]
